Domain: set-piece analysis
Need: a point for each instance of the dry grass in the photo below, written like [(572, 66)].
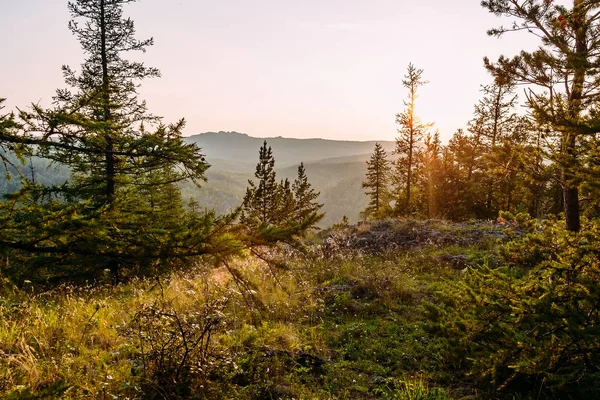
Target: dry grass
[(272, 335)]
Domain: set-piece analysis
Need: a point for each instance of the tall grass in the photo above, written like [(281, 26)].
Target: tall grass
[(341, 327)]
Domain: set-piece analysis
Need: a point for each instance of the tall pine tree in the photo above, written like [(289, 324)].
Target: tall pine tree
[(98, 127), (103, 216), (261, 201), (563, 80), (410, 136)]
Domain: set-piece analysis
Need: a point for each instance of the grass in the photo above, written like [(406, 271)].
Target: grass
[(350, 327)]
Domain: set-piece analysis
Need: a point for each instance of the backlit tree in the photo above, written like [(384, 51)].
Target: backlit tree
[(410, 135), (562, 77)]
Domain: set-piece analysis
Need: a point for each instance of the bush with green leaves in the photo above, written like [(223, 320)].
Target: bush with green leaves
[(532, 325)]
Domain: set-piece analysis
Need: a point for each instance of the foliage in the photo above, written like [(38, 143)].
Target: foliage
[(273, 212), (306, 206), (416, 390), (411, 323), (430, 177), (494, 121), (121, 208), (350, 326), (397, 310), (261, 202), (563, 82), (99, 130), (8, 125), (534, 322), (175, 353), (377, 182), (410, 135), (499, 164)]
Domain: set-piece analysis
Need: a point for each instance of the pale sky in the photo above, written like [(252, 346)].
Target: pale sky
[(292, 68)]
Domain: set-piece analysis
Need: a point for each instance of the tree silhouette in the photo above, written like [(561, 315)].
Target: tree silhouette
[(410, 135), (376, 182)]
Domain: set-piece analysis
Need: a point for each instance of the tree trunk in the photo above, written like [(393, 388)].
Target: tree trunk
[(571, 196), (109, 157), (378, 188), (490, 188), (409, 172), (570, 190), (109, 160)]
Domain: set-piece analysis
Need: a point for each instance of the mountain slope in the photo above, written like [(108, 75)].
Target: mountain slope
[(239, 147), (334, 168)]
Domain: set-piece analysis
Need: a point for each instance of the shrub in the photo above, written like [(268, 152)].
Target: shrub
[(175, 355), (534, 323)]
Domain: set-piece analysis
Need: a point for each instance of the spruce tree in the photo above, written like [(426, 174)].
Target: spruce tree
[(563, 80), (119, 156), (261, 202), (377, 182), (411, 132), (307, 207)]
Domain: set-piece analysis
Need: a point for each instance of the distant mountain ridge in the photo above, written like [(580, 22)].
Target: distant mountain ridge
[(240, 147)]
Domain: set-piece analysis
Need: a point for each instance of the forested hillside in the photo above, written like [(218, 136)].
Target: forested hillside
[(335, 169)]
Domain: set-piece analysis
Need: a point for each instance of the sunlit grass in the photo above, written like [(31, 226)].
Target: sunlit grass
[(351, 326)]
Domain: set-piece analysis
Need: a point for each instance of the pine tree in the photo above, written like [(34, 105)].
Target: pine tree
[(377, 182), (273, 212), (563, 68), (8, 126), (431, 175), (261, 202), (539, 177), (507, 164), (98, 126), (494, 121), (287, 203), (307, 208), (452, 193), (103, 216), (466, 152), (411, 133)]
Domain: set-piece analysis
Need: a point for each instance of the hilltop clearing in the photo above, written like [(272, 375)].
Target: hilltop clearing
[(335, 324)]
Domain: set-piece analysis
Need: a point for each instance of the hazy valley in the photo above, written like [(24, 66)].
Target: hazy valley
[(335, 168)]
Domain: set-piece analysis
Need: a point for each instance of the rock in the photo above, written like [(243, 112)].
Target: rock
[(382, 236)]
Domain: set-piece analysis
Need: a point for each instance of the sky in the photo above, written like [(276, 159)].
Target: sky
[(312, 68)]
